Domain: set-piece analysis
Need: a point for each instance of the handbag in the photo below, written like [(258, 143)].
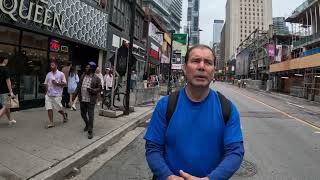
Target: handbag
[(13, 102)]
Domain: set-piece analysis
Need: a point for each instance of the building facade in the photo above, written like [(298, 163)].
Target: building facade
[(279, 26), (242, 18), (72, 31), (217, 28), (300, 75), (118, 32), (193, 21), (176, 15)]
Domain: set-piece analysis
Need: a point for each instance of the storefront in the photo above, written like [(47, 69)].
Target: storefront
[(33, 33)]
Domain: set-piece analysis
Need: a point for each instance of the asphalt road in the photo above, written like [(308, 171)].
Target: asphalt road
[(278, 143)]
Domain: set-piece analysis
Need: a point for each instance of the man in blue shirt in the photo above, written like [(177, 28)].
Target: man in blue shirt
[(196, 144)]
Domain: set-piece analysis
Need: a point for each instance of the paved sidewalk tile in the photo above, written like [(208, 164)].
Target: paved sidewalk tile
[(28, 147)]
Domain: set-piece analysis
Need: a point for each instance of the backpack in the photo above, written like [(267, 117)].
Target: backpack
[(173, 99)]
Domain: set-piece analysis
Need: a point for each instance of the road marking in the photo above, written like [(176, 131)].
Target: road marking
[(295, 105), (284, 113), (317, 132)]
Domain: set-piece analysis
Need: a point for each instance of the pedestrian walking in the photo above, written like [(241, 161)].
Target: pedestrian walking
[(87, 91), (6, 91), (204, 143), (108, 79), (55, 82), (73, 81), (65, 95), (145, 80), (133, 82), (99, 74)]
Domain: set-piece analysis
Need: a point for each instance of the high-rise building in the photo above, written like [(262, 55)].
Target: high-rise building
[(242, 18), (176, 14), (169, 11), (217, 27), (193, 21), (279, 25)]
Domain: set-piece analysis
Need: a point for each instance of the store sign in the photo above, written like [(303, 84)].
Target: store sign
[(176, 66), (55, 45), (154, 51), (165, 59), (38, 13), (153, 33)]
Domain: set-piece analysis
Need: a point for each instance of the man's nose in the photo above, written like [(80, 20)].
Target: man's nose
[(201, 65)]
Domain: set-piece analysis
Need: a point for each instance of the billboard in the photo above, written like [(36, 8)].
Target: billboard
[(180, 42)]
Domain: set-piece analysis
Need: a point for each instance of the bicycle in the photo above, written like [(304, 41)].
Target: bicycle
[(116, 97)]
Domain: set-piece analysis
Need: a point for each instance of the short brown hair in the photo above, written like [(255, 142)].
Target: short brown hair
[(199, 46)]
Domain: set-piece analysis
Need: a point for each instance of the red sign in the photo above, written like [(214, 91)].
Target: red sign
[(154, 54), (55, 45)]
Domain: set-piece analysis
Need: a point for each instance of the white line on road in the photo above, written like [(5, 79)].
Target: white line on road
[(284, 113), (317, 132), (295, 105)]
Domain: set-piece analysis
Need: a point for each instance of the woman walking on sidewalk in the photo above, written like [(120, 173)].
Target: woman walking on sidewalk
[(73, 81), (6, 91)]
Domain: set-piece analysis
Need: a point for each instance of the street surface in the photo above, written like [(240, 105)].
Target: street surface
[(279, 143)]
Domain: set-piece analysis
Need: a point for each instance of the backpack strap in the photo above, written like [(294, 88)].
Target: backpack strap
[(171, 107), (225, 106)]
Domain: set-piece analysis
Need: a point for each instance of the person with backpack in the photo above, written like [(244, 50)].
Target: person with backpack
[(195, 133)]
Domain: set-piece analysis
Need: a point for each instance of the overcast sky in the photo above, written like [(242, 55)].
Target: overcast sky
[(215, 9)]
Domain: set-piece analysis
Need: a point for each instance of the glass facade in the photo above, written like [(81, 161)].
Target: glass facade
[(29, 55)]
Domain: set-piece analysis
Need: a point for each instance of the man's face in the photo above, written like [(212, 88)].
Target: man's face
[(199, 68), (53, 66), (87, 70)]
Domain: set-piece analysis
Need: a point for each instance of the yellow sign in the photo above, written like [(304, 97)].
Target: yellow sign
[(167, 38)]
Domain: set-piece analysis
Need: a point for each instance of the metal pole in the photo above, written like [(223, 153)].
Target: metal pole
[(170, 65), (114, 81), (130, 58)]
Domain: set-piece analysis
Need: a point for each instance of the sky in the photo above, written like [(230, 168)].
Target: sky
[(215, 9)]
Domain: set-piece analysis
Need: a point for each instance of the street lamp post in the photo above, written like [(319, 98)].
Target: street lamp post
[(170, 64)]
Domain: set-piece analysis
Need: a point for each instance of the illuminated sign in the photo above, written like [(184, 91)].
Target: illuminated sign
[(55, 45)]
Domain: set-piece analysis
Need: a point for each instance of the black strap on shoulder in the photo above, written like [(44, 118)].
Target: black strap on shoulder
[(171, 107), (225, 106)]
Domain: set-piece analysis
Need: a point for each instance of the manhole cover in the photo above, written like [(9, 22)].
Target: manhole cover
[(247, 169)]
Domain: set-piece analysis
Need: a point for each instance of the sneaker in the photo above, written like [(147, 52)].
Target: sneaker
[(12, 122), (74, 108), (65, 119)]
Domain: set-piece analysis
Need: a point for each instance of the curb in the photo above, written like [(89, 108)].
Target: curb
[(63, 168), (89, 170)]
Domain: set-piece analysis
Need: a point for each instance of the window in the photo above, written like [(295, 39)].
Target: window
[(34, 40), (9, 35)]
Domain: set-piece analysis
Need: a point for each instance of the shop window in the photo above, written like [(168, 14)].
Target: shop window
[(35, 70), (9, 35), (34, 40), (13, 65)]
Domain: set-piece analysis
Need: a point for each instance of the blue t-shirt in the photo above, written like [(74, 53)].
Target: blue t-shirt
[(195, 138)]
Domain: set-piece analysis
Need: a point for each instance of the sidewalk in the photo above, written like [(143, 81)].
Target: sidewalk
[(27, 148)]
